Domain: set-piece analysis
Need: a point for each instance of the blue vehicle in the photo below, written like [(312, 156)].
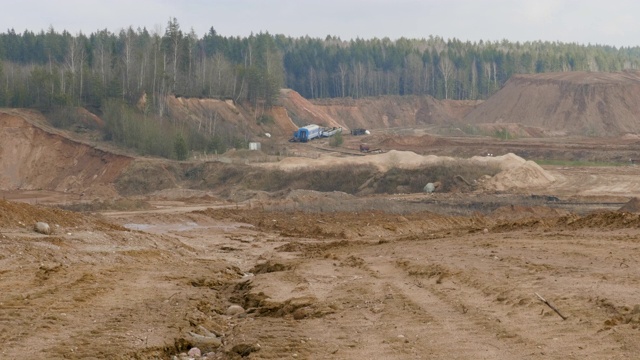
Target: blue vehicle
[(306, 133)]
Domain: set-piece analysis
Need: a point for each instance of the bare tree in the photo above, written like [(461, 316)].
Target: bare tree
[(74, 61), (447, 69)]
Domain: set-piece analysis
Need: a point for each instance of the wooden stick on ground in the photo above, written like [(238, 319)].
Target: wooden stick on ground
[(552, 307)]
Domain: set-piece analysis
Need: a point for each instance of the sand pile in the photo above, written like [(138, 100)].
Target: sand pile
[(517, 173), (21, 215), (573, 103), (507, 161), (632, 206), (526, 175), (384, 161)]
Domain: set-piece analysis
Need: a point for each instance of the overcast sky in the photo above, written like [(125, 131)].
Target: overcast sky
[(611, 22)]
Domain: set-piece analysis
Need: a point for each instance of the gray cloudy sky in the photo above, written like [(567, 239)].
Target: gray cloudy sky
[(610, 22)]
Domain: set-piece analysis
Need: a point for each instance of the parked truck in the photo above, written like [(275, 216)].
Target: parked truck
[(356, 132)]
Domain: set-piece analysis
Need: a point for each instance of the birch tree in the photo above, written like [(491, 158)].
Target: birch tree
[(447, 69)]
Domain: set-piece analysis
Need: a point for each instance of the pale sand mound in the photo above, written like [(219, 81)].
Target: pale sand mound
[(504, 162), (632, 205), (574, 103), (527, 175), (517, 173), (384, 162)]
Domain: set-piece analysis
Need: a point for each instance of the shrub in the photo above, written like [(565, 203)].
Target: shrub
[(336, 140), (180, 147)]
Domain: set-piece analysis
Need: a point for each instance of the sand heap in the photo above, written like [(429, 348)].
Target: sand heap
[(632, 206), (384, 161), (524, 176), (574, 103), (517, 173)]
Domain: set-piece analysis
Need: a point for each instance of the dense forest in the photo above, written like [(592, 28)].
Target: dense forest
[(46, 68), (52, 69)]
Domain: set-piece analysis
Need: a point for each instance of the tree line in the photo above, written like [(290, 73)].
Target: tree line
[(50, 69)]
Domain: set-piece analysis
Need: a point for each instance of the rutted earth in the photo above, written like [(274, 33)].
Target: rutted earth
[(343, 285)]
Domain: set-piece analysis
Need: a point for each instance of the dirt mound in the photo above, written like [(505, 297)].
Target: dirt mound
[(525, 176), (506, 161), (576, 103), (607, 220), (517, 173), (33, 157), (513, 212), (633, 206), (384, 161), (15, 214)]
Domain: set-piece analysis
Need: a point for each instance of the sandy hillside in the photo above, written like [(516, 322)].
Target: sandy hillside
[(574, 103), (33, 157), (227, 118), (303, 112), (394, 111)]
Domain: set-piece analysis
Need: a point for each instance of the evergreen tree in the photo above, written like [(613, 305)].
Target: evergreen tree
[(180, 147)]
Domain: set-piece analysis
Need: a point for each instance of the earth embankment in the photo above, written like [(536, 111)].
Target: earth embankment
[(33, 157), (571, 103), (395, 111)]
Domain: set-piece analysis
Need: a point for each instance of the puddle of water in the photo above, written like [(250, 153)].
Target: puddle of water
[(162, 227), (140, 227)]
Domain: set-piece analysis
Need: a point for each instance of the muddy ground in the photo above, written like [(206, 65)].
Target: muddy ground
[(325, 276)]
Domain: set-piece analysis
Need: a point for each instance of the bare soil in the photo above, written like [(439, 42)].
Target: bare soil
[(570, 103), (162, 253), (349, 285)]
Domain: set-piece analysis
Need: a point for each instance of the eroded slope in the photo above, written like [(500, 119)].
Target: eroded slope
[(573, 103), (35, 158)]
